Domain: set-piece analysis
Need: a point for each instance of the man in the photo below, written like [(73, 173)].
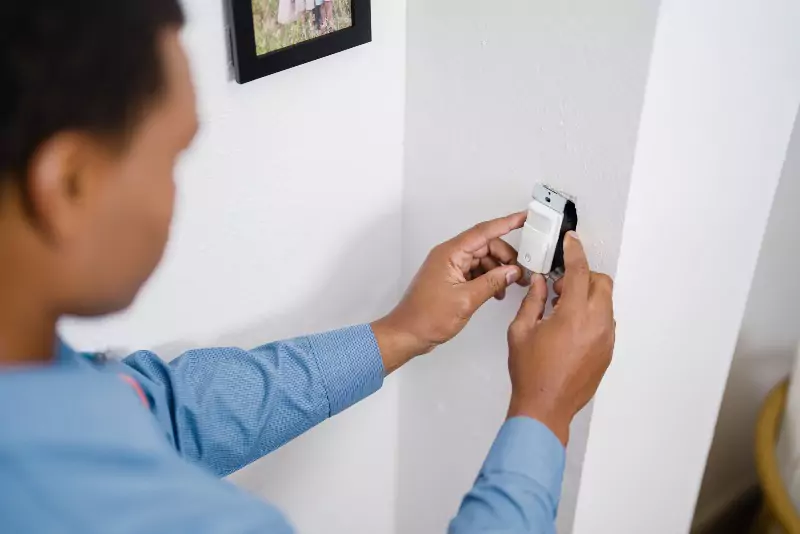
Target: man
[(89, 135)]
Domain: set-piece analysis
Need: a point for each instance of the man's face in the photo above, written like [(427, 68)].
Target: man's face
[(119, 233)]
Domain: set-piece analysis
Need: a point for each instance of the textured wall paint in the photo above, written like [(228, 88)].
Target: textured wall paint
[(766, 348), (289, 221), (721, 99), (500, 96)]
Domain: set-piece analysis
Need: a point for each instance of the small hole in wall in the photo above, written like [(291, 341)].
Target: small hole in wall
[(547, 199)]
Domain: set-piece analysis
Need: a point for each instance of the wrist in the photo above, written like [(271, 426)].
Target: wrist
[(543, 411), (397, 345)]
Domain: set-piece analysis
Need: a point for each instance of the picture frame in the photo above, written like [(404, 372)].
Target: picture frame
[(289, 34)]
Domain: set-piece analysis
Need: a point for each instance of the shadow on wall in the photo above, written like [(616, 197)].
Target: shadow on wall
[(354, 291)]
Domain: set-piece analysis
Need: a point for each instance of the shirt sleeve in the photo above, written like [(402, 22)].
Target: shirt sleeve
[(227, 407), (518, 488)]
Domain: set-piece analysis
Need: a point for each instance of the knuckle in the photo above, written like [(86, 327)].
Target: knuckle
[(473, 230), (465, 307), (581, 269), (439, 249), (494, 283), (605, 281), (516, 332)]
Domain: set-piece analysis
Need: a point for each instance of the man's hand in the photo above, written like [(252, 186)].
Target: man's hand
[(556, 364), (456, 279)]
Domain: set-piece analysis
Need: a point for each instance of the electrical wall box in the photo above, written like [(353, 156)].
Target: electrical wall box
[(551, 214)]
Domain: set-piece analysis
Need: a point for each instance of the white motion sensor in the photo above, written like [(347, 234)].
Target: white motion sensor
[(542, 230)]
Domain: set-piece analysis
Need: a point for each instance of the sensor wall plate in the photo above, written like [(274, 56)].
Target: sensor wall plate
[(551, 214)]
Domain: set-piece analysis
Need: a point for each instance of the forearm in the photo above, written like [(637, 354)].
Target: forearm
[(518, 488), (229, 407)]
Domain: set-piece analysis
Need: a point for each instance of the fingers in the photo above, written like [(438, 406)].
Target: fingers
[(502, 252), (481, 234), (601, 284), (576, 282), (558, 285), (600, 295), (605, 282), (490, 284), (488, 264), (532, 308)]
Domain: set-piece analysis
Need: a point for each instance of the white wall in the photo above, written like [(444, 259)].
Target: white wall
[(500, 96), (722, 95), (765, 350), (314, 151)]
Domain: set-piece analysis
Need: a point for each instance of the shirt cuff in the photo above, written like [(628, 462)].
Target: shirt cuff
[(527, 447), (350, 363)]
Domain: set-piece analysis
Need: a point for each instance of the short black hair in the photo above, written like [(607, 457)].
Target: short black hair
[(87, 65)]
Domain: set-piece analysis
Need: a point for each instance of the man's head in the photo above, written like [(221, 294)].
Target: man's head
[(96, 104)]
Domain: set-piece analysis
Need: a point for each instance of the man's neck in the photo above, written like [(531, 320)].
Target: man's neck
[(27, 336), (27, 319)]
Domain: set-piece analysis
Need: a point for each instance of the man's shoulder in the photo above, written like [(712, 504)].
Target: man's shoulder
[(67, 404), (79, 453)]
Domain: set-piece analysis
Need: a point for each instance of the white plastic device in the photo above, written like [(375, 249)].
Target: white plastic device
[(541, 230)]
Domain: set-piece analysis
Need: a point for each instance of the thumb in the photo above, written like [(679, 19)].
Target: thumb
[(532, 308), (485, 287)]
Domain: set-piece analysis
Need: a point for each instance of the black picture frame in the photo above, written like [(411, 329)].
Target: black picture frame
[(249, 66)]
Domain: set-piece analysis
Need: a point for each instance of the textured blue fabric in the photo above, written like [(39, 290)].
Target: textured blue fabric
[(81, 452), (227, 407), (518, 488)]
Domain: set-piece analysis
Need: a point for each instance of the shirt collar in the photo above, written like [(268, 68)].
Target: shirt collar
[(65, 355)]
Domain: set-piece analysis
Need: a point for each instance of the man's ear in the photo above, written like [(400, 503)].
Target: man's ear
[(62, 175)]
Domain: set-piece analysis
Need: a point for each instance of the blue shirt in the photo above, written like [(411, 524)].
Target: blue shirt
[(138, 446)]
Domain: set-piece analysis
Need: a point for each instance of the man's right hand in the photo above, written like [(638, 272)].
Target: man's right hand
[(556, 364)]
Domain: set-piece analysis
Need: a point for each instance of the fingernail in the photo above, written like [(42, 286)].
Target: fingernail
[(512, 276), (574, 235)]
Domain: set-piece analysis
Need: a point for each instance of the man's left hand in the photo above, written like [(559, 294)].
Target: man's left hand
[(457, 278)]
